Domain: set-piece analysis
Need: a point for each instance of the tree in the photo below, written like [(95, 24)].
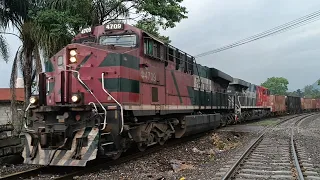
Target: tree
[(97, 12), (276, 85), (151, 26), (297, 93), (310, 92)]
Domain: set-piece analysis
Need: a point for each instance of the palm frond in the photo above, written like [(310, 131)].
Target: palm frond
[(4, 51), (14, 74), (13, 12)]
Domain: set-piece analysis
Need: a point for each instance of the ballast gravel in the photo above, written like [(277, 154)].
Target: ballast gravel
[(204, 157), (10, 168), (308, 137), (198, 159)]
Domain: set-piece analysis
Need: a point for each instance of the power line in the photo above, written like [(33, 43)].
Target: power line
[(245, 42), (277, 30)]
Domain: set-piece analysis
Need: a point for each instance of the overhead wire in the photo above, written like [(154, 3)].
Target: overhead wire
[(279, 29)]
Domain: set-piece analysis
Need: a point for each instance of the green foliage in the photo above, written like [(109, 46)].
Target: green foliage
[(276, 85), (310, 92), (151, 26), (297, 93), (165, 12), (54, 29)]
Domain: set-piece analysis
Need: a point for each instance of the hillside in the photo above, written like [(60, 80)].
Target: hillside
[(316, 86)]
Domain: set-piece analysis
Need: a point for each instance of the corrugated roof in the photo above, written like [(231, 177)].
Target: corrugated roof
[(5, 94)]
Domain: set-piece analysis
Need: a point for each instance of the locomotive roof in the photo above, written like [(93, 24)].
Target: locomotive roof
[(240, 82), (215, 73)]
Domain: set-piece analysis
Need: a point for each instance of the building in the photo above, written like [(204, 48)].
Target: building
[(5, 103), (19, 83)]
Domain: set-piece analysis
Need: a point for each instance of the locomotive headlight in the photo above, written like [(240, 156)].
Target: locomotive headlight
[(75, 98), (73, 59), (33, 100), (73, 52)]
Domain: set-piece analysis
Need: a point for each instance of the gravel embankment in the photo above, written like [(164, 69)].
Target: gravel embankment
[(199, 159), (309, 138)]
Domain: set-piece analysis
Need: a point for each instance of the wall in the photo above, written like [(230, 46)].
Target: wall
[(5, 115)]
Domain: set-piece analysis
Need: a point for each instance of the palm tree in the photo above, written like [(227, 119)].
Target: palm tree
[(15, 14), (47, 26)]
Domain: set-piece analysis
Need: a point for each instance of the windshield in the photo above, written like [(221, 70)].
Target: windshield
[(84, 40), (119, 40)]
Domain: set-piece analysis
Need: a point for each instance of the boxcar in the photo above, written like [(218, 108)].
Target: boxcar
[(317, 104), (278, 104), (306, 104), (293, 104), (313, 104)]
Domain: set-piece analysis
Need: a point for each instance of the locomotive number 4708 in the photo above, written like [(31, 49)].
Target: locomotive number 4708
[(149, 76)]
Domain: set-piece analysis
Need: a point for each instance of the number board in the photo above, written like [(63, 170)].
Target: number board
[(114, 26), (86, 30)]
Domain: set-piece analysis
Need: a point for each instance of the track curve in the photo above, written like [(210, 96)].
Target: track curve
[(269, 157)]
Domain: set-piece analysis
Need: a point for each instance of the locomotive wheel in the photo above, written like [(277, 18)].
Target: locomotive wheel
[(116, 156), (162, 141), (142, 147)]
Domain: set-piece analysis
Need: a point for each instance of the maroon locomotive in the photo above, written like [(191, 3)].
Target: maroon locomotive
[(116, 86)]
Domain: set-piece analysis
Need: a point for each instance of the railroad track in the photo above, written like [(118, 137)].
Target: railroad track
[(39, 172), (67, 173), (18, 175), (270, 157), (61, 173)]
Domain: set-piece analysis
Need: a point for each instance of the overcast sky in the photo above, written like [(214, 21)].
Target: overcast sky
[(294, 54), (211, 24)]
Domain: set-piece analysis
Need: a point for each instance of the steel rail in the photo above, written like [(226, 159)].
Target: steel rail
[(19, 175), (233, 168), (295, 157), (293, 149)]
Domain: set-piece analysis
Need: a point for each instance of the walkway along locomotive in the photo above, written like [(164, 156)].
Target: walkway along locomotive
[(116, 86)]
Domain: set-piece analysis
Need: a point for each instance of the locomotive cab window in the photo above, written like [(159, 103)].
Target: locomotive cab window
[(153, 48), (124, 40)]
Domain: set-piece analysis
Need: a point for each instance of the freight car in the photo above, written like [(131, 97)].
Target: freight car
[(293, 104), (278, 104), (116, 86)]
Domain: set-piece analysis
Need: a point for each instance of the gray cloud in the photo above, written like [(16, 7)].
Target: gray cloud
[(293, 54)]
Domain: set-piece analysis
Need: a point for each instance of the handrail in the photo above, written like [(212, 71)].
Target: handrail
[(121, 109), (87, 88), (25, 118), (94, 105)]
